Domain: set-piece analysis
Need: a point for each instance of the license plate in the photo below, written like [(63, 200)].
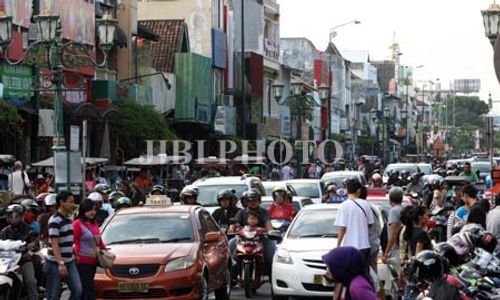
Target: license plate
[(318, 279), (133, 287)]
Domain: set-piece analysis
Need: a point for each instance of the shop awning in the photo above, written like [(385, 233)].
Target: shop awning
[(121, 38), (155, 160), (49, 162)]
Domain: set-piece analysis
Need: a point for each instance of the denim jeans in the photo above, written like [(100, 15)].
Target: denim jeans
[(87, 274), (30, 280), (54, 281)]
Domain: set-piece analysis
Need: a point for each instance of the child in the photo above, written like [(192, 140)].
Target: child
[(252, 219)]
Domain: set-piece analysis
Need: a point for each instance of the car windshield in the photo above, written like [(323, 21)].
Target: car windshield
[(315, 223), (411, 169), (270, 187), (483, 168), (338, 180), (207, 194), (306, 189), (149, 228), (426, 169)]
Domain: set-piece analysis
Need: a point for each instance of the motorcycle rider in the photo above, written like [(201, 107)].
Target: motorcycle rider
[(226, 211), (20, 230), (376, 181), (157, 190), (415, 185), (43, 219), (121, 203), (105, 191), (101, 213), (189, 196), (468, 173), (405, 178), (115, 196), (31, 210), (254, 200), (393, 178), (281, 209)]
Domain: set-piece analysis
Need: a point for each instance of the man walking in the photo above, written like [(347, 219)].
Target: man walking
[(353, 219), (477, 213), (61, 262), (493, 220), (394, 227), (19, 182)]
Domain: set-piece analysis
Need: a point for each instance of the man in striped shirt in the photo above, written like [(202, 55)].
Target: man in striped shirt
[(61, 263)]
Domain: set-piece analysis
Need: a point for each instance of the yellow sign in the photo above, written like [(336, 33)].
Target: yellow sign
[(158, 200)]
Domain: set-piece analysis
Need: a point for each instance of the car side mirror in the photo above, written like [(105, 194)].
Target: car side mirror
[(212, 237), (275, 235)]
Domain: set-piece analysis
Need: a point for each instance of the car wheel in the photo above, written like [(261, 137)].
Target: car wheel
[(204, 288), (224, 291)]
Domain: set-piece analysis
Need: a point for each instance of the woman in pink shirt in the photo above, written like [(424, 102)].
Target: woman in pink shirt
[(86, 236), (347, 267)]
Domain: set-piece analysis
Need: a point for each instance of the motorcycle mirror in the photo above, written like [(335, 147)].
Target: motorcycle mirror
[(275, 235)]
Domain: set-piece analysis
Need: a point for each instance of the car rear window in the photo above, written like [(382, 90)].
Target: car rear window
[(149, 228), (306, 189), (207, 194)]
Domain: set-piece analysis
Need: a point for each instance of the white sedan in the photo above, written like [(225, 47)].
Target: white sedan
[(297, 266)]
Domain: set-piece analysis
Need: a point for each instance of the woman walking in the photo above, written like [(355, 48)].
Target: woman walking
[(86, 241), (347, 267)]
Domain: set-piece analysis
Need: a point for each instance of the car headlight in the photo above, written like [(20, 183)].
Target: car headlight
[(283, 256), (180, 263)]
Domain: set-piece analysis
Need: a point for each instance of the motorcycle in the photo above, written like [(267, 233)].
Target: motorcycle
[(250, 264), (280, 225), (10, 277)]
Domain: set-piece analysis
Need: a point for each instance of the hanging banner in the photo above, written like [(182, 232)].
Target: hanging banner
[(20, 10), (77, 17)]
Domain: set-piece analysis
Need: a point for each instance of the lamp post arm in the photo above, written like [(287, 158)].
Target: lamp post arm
[(74, 54), (32, 55)]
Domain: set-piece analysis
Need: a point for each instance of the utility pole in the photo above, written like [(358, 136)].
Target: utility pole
[(243, 83)]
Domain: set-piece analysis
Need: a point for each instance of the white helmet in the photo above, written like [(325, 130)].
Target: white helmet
[(50, 199), (95, 197)]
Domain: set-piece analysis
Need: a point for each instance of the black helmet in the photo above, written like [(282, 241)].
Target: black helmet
[(226, 193), (158, 188), (251, 194), (188, 191), (447, 251), (278, 190), (405, 172), (15, 209), (102, 188), (394, 173), (30, 205), (115, 196), (476, 232), (426, 267), (331, 188)]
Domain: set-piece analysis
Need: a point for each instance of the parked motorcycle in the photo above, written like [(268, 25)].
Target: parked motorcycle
[(10, 277)]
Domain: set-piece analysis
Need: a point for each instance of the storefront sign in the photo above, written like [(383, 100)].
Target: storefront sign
[(16, 81)]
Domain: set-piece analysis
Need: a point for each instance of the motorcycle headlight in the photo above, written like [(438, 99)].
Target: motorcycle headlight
[(249, 234), (180, 263), (283, 256)]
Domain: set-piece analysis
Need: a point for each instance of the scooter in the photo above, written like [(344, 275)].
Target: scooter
[(280, 225), (10, 278)]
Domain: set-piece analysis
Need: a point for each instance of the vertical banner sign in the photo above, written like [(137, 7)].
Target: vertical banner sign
[(74, 139)]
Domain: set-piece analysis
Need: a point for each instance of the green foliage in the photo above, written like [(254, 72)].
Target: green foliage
[(468, 110), (10, 120), (338, 137), (135, 123)]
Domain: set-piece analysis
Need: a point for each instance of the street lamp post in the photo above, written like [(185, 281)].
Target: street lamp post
[(491, 21), (300, 105), (51, 52)]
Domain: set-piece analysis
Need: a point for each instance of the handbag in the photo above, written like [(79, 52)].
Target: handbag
[(105, 258)]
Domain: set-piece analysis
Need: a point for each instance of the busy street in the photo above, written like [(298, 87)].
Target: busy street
[(249, 149)]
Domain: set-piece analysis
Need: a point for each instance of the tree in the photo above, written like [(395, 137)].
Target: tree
[(10, 120), (466, 110), (135, 123)]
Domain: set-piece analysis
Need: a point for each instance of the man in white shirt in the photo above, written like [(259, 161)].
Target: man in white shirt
[(19, 182), (493, 220), (353, 219), (285, 172)]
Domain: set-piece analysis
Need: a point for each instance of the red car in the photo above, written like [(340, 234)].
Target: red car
[(164, 252)]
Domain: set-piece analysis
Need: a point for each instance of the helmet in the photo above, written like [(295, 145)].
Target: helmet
[(331, 188), (50, 200), (447, 251), (488, 242), (475, 231), (488, 181), (41, 198), (188, 191), (15, 209), (405, 173), (115, 196), (394, 173), (278, 190), (122, 202), (462, 243), (427, 266), (30, 204), (226, 193), (95, 196), (102, 188), (253, 194), (376, 178), (158, 188)]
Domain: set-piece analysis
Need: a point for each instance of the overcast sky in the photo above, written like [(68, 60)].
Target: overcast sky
[(446, 36)]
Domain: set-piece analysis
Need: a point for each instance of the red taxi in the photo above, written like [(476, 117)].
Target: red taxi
[(166, 252)]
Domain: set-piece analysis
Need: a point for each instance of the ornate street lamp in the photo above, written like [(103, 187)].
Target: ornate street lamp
[(404, 112), (46, 27), (278, 89), (373, 114), (5, 30), (324, 91), (106, 28), (387, 112), (297, 87), (491, 20)]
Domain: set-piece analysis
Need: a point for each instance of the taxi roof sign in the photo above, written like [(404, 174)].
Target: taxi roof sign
[(158, 200)]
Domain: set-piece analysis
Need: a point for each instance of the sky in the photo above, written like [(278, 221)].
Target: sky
[(446, 36)]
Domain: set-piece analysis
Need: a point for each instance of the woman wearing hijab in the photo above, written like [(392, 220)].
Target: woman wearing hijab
[(347, 268)]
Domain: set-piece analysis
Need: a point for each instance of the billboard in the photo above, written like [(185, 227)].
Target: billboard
[(77, 17), (20, 10), (467, 86)]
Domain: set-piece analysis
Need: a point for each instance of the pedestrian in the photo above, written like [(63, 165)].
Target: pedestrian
[(353, 219), (477, 212), (19, 182), (101, 213), (347, 267), (60, 264), (393, 228), (87, 240), (373, 232), (493, 220), (286, 172)]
